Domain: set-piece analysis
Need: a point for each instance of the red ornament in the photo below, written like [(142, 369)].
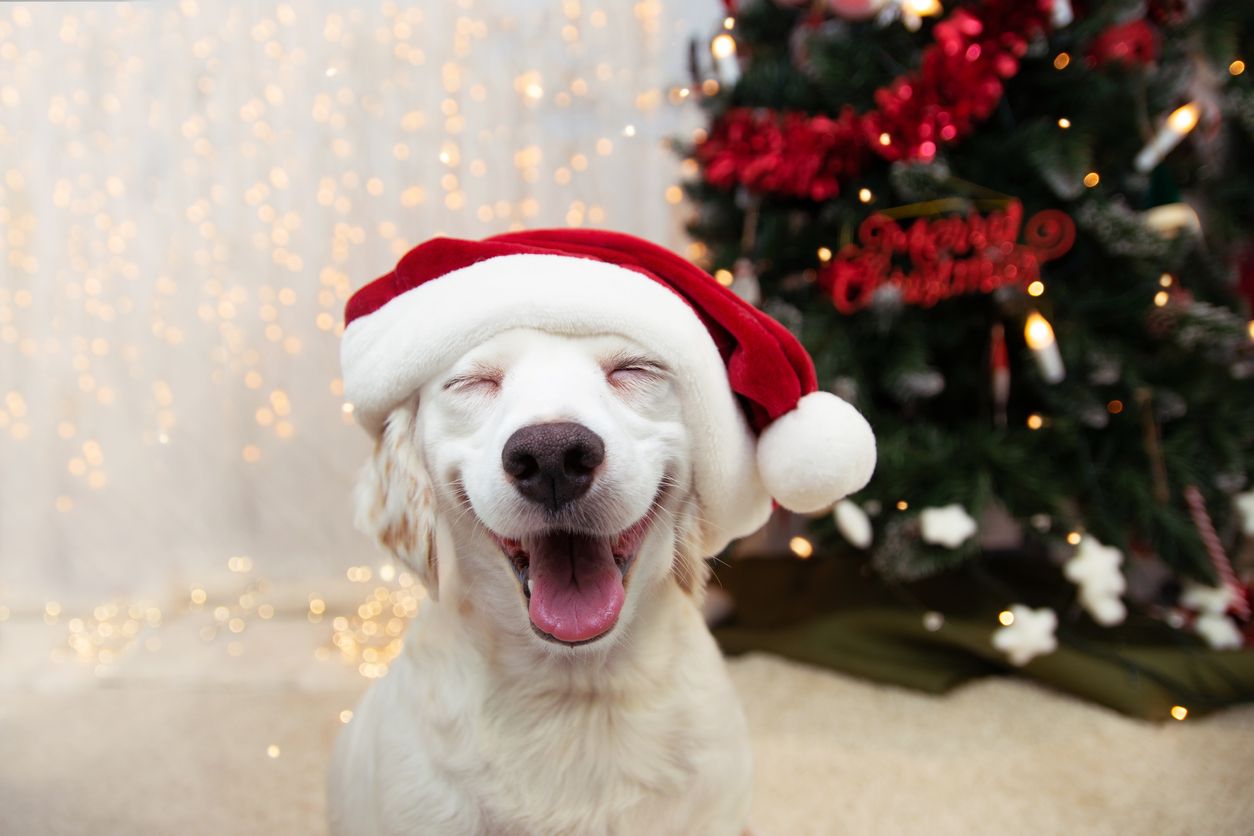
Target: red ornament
[(1133, 44), (947, 257), (959, 82)]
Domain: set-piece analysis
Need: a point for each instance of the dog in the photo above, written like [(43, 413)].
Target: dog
[(560, 679)]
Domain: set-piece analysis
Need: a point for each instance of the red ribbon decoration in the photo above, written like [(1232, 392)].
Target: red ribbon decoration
[(948, 257), (959, 82)]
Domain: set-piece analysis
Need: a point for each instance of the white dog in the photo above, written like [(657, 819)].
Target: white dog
[(564, 682), (567, 423)]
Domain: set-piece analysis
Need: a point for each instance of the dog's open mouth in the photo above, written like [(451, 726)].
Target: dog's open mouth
[(574, 583)]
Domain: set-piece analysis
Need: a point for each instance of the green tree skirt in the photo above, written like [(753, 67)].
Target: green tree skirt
[(832, 612)]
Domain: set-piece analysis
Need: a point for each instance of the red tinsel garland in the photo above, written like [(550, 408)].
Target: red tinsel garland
[(958, 83)]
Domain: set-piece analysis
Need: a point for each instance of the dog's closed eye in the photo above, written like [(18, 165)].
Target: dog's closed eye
[(630, 370), (477, 380)]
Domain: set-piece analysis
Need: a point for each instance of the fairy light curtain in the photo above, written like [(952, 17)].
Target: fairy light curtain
[(190, 191)]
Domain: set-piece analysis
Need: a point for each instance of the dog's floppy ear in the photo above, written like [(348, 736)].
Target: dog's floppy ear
[(395, 499)]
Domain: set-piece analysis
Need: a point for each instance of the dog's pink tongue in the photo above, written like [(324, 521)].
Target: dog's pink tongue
[(576, 588)]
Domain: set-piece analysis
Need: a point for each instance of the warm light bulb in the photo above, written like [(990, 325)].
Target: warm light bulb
[(1179, 712), (1237, 67), (1165, 280), (1038, 332), (1035, 422), (922, 8), (1160, 298), (1006, 617), (724, 277), (801, 547), (865, 195), (723, 46), (885, 139), (1074, 538), (825, 254), (1036, 288), (1184, 119), (1092, 179), (1064, 123), (729, 23)]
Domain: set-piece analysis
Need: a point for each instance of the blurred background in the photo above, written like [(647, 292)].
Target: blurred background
[(1018, 235)]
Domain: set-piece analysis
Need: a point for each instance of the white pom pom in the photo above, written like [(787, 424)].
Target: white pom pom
[(820, 452)]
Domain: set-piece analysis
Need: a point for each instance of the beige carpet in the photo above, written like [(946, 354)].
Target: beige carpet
[(835, 756)]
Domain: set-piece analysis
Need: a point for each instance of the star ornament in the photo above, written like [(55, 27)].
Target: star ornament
[(1207, 599), (1029, 635), (1095, 570), (1218, 631), (853, 523), (949, 526), (1245, 509)]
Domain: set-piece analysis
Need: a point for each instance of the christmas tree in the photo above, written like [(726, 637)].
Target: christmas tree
[(1018, 235)]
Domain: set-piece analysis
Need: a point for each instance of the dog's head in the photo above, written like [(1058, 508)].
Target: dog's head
[(547, 478)]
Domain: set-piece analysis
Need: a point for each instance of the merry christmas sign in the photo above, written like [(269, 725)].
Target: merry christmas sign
[(933, 259)]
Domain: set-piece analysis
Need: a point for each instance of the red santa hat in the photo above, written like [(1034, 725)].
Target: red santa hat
[(759, 427)]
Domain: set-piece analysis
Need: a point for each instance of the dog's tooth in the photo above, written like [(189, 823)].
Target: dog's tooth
[(529, 586)]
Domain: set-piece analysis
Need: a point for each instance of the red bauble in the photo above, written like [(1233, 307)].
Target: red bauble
[(1133, 44)]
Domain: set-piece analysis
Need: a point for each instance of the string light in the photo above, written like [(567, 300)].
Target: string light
[(1036, 288), (1006, 618), (825, 254), (865, 195), (1165, 280), (902, 505), (1114, 407), (1062, 60), (726, 64), (1179, 712), (801, 547), (1161, 298), (1092, 179), (922, 8), (1074, 538), (1236, 67), (1039, 335), (1178, 125), (1035, 421), (1064, 123)]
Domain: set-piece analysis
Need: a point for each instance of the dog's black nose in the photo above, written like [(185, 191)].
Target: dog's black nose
[(553, 464)]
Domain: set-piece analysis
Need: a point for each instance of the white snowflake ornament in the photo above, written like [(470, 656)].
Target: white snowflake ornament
[(1028, 635), (1106, 610), (949, 526), (1207, 599), (1219, 631), (1245, 510), (853, 523), (1095, 570)]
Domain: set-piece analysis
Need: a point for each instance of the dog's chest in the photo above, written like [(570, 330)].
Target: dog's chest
[(551, 763)]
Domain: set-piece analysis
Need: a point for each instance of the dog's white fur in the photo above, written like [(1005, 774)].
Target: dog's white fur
[(483, 727)]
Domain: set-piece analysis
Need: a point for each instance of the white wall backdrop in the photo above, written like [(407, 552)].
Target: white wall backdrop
[(189, 191)]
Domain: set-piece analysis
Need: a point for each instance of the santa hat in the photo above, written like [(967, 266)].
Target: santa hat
[(758, 425)]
